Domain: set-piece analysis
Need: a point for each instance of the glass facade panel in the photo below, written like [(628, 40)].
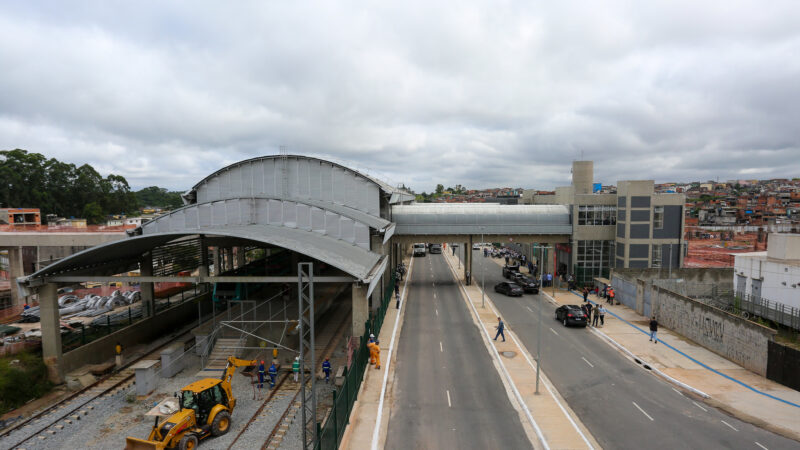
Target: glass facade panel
[(597, 215), (594, 259), (658, 218)]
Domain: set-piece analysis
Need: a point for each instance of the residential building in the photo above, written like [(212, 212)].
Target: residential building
[(20, 216), (773, 275)]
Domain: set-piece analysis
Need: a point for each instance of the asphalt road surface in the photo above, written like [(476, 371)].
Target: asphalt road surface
[(623, 405), (447, 392)]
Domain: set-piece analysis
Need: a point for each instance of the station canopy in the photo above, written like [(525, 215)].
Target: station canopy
[(307, 205)]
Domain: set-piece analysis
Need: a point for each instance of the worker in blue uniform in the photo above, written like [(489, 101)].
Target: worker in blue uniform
[(326, 367), (262, 373), (273, 374)]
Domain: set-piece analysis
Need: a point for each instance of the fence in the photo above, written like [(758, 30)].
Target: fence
[(330, 435)]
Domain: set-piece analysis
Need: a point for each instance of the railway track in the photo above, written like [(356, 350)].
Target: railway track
[(71, 409)]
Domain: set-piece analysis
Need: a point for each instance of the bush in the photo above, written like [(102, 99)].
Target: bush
[(22, 381)]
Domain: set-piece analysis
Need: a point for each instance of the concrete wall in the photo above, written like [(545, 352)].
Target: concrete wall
[(146, 330), (730, 336), (693, 275)]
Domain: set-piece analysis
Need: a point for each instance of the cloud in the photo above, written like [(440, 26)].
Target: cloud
[(473, 92)]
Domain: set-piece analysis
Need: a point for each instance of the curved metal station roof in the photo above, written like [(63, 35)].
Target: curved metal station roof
[(477, 218)]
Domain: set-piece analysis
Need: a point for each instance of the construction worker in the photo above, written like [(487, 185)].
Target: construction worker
[(118, 352), (296, 368), (370, 343), (273, 374), (262, 373), (274, 356), (377, 347), (326, 367)]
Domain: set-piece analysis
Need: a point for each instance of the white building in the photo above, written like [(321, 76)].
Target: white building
[(773, 275)]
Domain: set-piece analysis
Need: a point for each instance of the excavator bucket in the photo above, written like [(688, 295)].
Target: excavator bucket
[(142, 444)]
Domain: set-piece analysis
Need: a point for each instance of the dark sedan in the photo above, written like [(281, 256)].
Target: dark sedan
[(510, 289), (510, 271), (529, 285), (571, 315)]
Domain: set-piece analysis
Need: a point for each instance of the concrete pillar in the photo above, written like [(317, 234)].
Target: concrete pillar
[(51, 332), (360, 308), (146, 288), (15, 269), (376, 245), (240, 257), (468, 261), (215, 260), (203, 257)]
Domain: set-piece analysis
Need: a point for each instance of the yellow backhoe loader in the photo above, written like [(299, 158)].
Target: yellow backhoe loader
[(204, 409)]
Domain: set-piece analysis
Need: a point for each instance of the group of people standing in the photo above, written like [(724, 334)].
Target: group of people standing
[(594, 313)]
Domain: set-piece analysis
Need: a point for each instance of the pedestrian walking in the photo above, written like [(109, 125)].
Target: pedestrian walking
[(396, 289), (296, 368), (273, 374), (654, 330), (326, 368), (596, 317), (585, 294), (602, 311), (587, 311), (500, 327), (397, 297)]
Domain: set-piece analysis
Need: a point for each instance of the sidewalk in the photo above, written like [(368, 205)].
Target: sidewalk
[(680, 358)]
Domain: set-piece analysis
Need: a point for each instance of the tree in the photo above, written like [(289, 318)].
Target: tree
[(93, 213), (439, 189)]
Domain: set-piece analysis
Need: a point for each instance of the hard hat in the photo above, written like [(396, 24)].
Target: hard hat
[(371, 335), (262, 361), (297, 358)]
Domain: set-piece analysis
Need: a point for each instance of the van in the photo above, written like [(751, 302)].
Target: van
[(434, 248), (419, 250)]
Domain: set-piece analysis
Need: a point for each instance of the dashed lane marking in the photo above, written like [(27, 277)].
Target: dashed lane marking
[(729, 425), (437, 312), (587, 362), (529, 308), (643, 412), (679, 392), (698, 405), (765, 448), (441, 349), (448, 400), (554, 331)]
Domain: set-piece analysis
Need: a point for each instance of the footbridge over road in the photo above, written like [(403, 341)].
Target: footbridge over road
[(351, 226), (467, 223)]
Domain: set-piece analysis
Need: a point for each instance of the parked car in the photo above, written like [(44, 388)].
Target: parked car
[(434, 248), (509, 288), (476, 246), (571, 315), (509, 270), (528, 284)]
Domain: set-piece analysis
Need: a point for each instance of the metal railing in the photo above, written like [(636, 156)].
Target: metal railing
[(330, 434)]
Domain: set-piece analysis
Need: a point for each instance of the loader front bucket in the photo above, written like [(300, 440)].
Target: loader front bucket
[(142, 444)]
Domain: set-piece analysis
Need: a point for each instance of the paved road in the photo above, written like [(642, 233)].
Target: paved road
[(440, 352), (622, 405)]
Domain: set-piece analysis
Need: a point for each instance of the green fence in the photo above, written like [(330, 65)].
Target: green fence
[(331, 433)]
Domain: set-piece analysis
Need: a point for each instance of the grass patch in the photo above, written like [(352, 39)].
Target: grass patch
[(23, 377)]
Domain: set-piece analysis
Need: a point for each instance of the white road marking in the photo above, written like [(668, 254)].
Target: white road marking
[(437, 312), (698, 405), (729, 425), (765, 448), (448, 400), (529, 308), (587, 362), (640, 409), (434, 295), (679, 392), (441, 349), (554, 331)]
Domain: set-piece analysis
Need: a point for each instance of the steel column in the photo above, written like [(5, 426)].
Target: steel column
[(305, 299)]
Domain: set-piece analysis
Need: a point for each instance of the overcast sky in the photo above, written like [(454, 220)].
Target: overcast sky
[(485, 94)]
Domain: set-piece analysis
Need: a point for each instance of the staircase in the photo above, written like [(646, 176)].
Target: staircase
[(218, 358)]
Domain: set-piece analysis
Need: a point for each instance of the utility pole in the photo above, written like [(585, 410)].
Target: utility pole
[(542, 252), (483, 277)]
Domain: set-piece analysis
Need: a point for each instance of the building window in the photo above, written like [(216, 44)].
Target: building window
[(597, 215), (658, 217), (656, 259), (594, 259)]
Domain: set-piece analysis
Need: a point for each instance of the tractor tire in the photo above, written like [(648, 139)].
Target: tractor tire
[(189, 442), (221, 423)]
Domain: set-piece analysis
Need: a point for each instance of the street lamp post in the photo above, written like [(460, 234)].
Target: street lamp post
[(483, 278), (539, 329)]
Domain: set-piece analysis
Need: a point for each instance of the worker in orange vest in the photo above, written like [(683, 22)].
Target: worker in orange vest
[(370, 345), (377, 348)]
